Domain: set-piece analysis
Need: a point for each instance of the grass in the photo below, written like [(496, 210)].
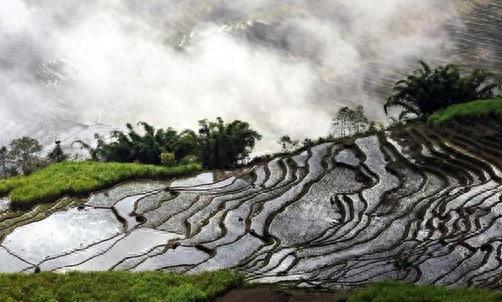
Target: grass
[(170, 287), (475, 109), (79, 179), (389, 291), (115, 287)]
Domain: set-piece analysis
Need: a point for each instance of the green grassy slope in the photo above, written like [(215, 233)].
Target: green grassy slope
[(80, 178), (389, 291), (115, 287), (475, 109)]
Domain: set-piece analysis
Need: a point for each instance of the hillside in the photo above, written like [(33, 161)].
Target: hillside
[(418, 204)]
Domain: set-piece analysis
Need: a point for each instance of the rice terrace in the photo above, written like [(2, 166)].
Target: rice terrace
[(336, 151)]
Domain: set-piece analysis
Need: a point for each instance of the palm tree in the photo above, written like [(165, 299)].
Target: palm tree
[(425, 90)]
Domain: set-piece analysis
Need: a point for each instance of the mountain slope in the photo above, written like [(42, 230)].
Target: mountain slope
[(417, 204)]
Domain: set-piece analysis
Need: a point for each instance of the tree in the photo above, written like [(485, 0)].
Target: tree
[(3, 161), (131, 146), (186, 146), (341, 122), (350, 121), (425, 90), (217, 145), (288, 144), (57, 154), (24, 154), (361, 122), (223, 145), (96, 153)]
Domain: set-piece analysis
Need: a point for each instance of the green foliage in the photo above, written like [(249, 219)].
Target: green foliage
[(426, 90), (115, 287), (475, 109), (3, 162), (24, 154), (224, 145), (217, 145), (57, 155), (389, 291), (167, 158), (80, 178), (132, 146), (186, 147)]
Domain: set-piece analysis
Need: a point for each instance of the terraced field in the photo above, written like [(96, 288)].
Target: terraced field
[(416, 204)]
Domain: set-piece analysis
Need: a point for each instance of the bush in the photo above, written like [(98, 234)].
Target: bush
[(167, 158), (57, 155), (426, 90)]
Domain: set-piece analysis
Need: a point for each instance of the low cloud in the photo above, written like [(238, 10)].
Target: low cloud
[(284, 67)]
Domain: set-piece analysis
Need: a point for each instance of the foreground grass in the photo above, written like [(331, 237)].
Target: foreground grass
[(115, 287), (475, 109), (389, 291), (80, 178)]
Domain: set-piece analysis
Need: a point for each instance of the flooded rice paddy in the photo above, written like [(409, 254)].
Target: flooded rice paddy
[(416, 205)]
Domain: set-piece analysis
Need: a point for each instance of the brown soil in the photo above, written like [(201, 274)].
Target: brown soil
[(264, 294)]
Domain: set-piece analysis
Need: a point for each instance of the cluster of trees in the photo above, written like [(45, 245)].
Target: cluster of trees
[(427, 90), (217, 145), (350, 122), (220, 145), (22, 156)]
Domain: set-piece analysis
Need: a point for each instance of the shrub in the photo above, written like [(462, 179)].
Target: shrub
[(57, 155), (167, 158), (426, 90)]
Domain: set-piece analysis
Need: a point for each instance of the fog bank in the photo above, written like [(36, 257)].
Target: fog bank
[(284, 66)]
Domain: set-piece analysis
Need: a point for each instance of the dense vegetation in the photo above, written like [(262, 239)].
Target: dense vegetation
[(350, 121), (224, 145), (427, 90), (80, 178), (475, 109), (115, 287), (217, 145), (389, 291), (20, 157)]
